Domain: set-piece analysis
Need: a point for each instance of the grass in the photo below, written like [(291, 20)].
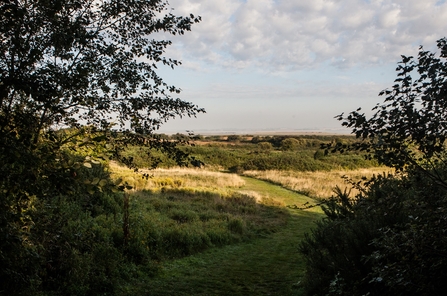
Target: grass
[(180, 212), (197, 179), (214, 233), (265, 265), (318, 184), (176, 223)]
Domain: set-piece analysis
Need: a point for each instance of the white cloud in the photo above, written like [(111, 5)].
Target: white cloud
[(288, 34), (296, 62)]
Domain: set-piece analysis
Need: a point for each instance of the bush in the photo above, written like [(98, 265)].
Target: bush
[(257, 139), (79, 255), (334, 252), (234, 138), (388, 240), (319, 154), (237, 169), (289, 144), (393, 238), (265, 146)]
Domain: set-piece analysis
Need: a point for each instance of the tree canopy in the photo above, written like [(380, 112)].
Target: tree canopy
[(90, 62), (391, 238), (408, 130), (78, 81)]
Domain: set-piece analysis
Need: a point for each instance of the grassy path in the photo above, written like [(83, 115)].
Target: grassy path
[(265, 266)]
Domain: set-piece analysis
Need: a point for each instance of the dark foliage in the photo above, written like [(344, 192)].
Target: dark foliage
[(409, 128), (78, 83), (391, 238)]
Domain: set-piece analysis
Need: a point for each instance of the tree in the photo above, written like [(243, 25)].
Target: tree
[(72, 61), (75, 74), (409, 129), (390, 239)]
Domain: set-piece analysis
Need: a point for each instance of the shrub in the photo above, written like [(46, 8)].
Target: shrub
[(237, 169), (265, 146), (393, 235), (257, 139), (319, 154), (289, 144), (335, 252), (234, 138), (236, 225)]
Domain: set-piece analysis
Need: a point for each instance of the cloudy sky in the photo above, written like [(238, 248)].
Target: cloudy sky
[(289, 65)]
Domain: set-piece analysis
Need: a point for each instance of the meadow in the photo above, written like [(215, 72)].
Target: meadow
[(184, 211), (233, 225)]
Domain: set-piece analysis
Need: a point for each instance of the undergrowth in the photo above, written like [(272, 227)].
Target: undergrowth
[(173, 222)]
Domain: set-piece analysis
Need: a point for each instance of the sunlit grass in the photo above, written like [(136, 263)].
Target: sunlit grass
[(196, 179), (264, 262), (191, 220), (316, 184), (178, 212)]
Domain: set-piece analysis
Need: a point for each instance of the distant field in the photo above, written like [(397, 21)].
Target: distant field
[(300, 166), (277, 132)]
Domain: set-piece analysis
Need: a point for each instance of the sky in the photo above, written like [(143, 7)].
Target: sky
[(293, 65)]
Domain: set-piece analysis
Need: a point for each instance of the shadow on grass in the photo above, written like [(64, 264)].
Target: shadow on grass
[(264, 262)]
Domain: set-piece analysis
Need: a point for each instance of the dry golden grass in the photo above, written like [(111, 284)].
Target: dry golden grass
[(197, 179), (316, 184), (313, 184)]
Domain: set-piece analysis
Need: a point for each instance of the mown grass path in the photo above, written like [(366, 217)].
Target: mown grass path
[(265, 266)]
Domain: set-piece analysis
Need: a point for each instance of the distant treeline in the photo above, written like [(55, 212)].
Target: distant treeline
[(275, 140), (238, 153)]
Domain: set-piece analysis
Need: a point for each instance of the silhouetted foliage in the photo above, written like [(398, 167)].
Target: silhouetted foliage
[(78, 83), (408, 129), (234, 138), (391, 238)]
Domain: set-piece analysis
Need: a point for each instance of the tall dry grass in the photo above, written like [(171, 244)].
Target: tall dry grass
[(198, 179), (316, 184)]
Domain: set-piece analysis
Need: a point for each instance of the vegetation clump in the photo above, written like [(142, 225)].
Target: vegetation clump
[(390, 238), (289, 144)]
